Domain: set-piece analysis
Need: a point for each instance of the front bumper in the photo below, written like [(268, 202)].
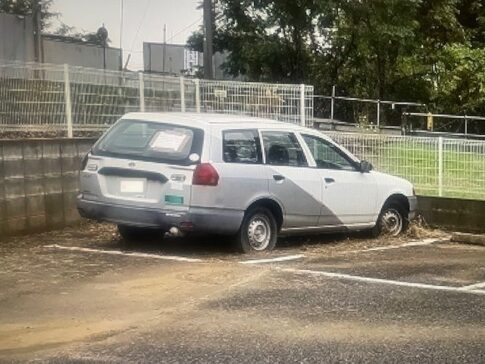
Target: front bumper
[(413, 205), (197, 219)]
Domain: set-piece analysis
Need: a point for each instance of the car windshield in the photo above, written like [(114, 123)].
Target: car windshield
[(152, 141)]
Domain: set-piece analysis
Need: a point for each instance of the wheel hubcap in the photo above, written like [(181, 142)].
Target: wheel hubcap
[(391, 222), (259, 233)]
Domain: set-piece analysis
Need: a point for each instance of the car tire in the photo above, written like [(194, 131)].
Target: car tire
[(133, 234), (392, 220), (258, 232)]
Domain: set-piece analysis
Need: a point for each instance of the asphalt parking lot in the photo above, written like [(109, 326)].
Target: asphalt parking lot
[(81, 295)]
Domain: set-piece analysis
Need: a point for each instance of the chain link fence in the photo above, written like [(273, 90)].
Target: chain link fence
[(45, 97), (73, 100), (436, 166)]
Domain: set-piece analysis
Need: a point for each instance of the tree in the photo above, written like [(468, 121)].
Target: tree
[(100, 37), (24, 7), (415, 50), (242, 29), (461, 74)]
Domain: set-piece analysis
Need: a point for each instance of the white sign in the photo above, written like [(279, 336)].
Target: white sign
[(191, 61), (220, 93), (167, 140)]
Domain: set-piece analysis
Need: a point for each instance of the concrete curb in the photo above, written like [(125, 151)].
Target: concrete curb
[(464, 238)]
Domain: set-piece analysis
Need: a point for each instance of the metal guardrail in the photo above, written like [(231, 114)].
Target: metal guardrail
[(431, 117), (371, 109)]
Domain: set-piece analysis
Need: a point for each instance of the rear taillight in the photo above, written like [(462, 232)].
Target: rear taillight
[(205, 175)]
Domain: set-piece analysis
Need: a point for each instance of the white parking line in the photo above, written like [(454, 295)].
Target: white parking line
[(472, 287), (272, 260), (405, 245), (383, 281), (117, 252)]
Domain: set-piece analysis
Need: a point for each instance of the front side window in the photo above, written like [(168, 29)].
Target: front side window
[(327, 155), (283, 149), (151, 141), (241, 146)]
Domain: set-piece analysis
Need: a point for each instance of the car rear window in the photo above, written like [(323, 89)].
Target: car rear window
[(150, 141)]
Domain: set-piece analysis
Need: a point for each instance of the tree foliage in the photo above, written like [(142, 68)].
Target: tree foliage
[(100, 37), (24, 7), (429, 51)]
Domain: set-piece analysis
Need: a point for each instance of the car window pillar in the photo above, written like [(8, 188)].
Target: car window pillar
[(306, 151)]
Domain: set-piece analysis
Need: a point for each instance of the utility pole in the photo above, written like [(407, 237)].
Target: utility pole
[(121, 34), (208, 39), (36, 22)]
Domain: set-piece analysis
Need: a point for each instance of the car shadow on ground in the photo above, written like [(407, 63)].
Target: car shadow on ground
[(222, 246)]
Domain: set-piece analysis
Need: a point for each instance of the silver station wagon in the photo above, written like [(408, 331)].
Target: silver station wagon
[(248, 178)]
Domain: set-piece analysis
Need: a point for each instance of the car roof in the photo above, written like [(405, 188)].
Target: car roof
[(220, 121), (203, 119)]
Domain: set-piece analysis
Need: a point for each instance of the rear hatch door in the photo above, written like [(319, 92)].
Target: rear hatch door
[(147, 164)]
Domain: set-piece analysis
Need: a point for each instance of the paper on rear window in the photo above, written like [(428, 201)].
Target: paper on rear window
[(171, 140)]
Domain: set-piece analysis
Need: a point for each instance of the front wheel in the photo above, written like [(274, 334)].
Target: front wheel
[(258, 231), (392, 220)]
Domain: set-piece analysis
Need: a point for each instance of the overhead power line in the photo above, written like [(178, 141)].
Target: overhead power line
[(184, 29)]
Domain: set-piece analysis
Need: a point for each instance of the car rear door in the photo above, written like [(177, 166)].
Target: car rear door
[(291, 181)]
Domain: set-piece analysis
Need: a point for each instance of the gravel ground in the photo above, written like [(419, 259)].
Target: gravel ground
[(62, 306)]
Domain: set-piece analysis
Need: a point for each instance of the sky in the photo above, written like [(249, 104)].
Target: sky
[(143, 20)]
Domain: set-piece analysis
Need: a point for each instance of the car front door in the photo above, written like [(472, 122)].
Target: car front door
[(349, 197), (295, 185)]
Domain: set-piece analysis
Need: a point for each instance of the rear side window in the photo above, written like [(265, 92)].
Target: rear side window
[(241, 146), (150, 141), (283, 149)]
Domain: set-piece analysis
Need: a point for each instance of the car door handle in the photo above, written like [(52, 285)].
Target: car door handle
[(329, 180), (278, 177)]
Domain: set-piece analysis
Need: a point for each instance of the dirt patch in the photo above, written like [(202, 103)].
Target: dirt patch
[(110, 303)]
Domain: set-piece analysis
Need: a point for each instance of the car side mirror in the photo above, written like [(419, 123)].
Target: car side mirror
[(365, 167)]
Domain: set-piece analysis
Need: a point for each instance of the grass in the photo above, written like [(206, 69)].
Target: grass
[(463, 170)]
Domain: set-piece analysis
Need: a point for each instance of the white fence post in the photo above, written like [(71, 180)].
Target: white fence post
[(302, 104), (440, 166), (378, 114), (197, 95), (182, 94), (67, 100), (332, 104), (141, 86)]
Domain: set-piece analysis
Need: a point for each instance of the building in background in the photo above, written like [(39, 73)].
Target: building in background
[(17, 44), (16, 38), (61, 49), (172, 59), (177, 59)]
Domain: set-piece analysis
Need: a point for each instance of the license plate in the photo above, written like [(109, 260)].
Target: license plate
[(132, 186)]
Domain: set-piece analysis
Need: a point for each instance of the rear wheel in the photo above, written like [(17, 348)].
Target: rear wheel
[(258, 231), (133, 234), (392, 220)]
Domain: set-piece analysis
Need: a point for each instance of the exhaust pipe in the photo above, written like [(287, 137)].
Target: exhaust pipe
[(175, 232)]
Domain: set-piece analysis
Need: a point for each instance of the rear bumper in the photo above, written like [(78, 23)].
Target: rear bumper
[(413, 205), (197, 219)]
